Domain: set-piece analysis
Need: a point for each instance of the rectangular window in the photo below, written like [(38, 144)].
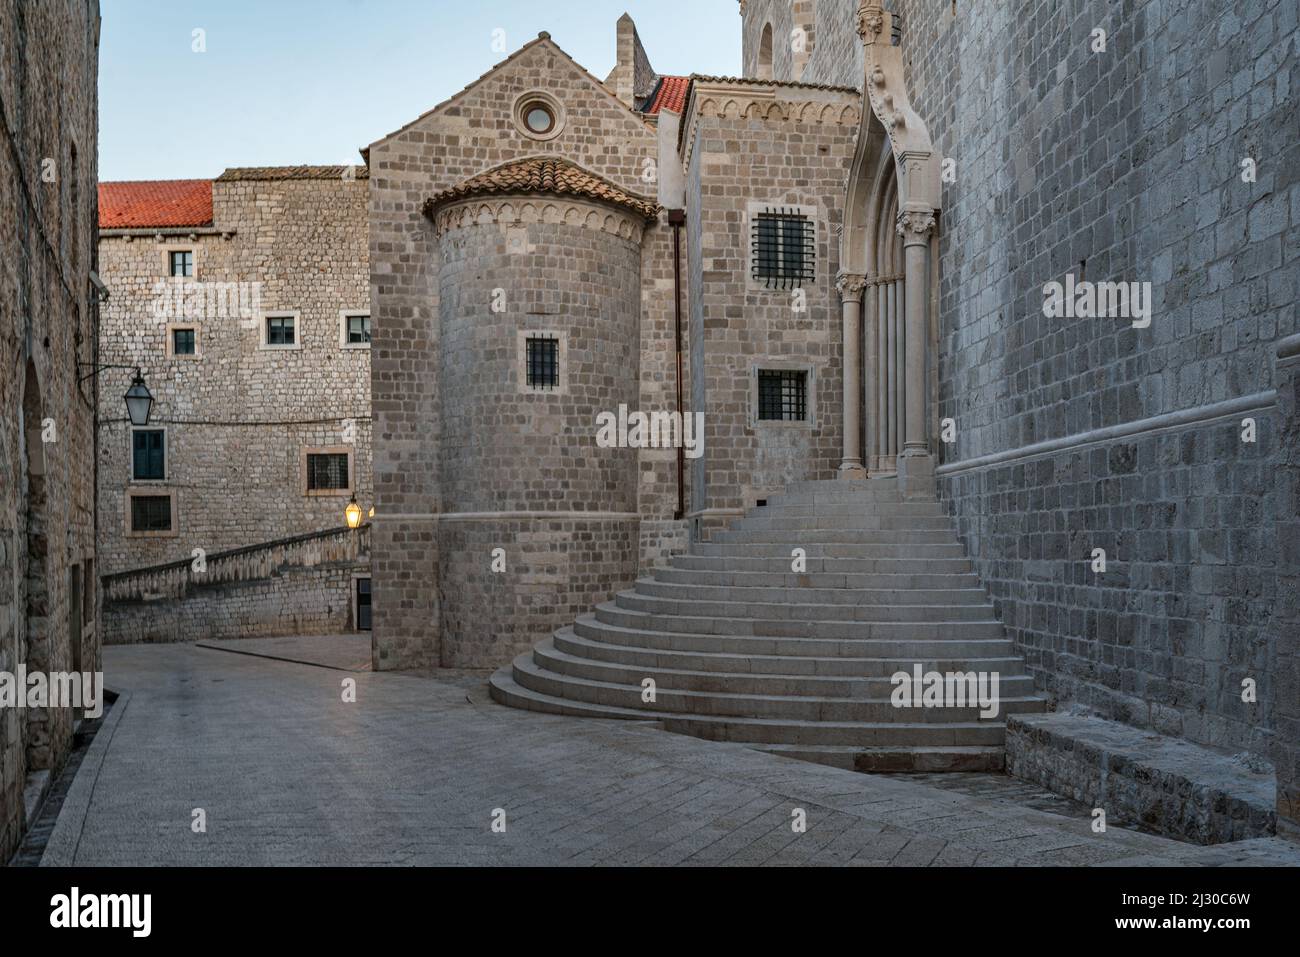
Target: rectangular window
[(180, 262), (183, 342), (280, 330), (327, 471), (783, 249), (363, 604), (148, 455), (782, 395), (543, 358), (358, 330), (151, 513)]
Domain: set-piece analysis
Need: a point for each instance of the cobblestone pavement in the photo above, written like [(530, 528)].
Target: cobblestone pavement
[(287, 772)]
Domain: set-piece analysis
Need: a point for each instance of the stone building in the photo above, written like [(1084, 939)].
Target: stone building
[(49, 56), (876, 227), (244, 302)]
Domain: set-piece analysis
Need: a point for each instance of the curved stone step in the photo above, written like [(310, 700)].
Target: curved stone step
[(824, 550), (838, 536), (868, 524), (814, 580), (683, 659), (554, 656), (751, 728), (848, 509), (805, 611), (629, 628), (809, 594), (782, 564)]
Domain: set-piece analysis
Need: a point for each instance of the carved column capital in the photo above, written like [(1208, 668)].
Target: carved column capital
[(871, 21), (850, 286), (915, 226)]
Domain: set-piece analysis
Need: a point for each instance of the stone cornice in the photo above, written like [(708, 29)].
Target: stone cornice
[(525, 209), (726, 98)]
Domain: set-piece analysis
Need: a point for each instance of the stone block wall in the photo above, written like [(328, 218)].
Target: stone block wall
[(239, 417), (777, 146), (1284, 665), (1122, 164), (472, 132), (315, 600), (49, 603)]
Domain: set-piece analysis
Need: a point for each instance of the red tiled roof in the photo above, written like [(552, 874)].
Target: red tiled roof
[(543, 175), (155, 203), (670, 94)]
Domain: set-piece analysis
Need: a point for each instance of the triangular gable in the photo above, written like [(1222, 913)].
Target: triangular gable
[(543, 40)]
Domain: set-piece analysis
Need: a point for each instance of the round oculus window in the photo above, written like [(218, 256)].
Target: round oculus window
[(539, 118)]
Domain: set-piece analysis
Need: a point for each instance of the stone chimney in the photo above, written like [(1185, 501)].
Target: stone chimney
[(633, 78)]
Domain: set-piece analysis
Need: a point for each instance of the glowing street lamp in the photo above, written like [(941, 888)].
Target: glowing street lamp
[(353, 512)]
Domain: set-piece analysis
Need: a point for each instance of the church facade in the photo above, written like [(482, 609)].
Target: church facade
[(851, 260)]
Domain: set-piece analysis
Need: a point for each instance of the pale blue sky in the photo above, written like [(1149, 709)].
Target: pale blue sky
[(310, 81)]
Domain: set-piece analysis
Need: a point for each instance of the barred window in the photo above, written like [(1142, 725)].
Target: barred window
[(783, 249), (543, 359), (181, 263), (327, 471), (782, 395), (151, 513), (148, 455)]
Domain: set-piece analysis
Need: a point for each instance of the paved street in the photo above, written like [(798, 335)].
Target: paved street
[(289, 773)]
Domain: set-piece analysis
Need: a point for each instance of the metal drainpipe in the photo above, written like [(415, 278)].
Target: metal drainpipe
[(676, 218)]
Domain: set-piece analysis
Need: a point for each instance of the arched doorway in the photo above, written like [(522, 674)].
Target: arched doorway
[(885, 272), (34, 638)]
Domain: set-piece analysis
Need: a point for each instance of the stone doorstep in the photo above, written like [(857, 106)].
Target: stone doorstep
[(1171, 786)]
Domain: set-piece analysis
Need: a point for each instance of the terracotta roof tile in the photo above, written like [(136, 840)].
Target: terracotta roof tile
[(155, 203), (544, 175), (292, 172), (670, 94)]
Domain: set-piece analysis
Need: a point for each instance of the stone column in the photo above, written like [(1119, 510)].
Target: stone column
[(915, 464), (870, 377), (850, 288)]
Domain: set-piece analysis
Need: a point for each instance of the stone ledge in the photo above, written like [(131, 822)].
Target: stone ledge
[(1168, 785)]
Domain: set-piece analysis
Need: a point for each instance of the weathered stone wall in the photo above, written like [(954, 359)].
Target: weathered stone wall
[(315, 600), (1126, 165), (832, 50), (1284, 665), (466, 135), (779, 147), (238, 416), (48, 318)]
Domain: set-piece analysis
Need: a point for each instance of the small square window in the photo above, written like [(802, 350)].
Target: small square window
[(358, 330), (327, 471), (180, 262), (782, 395), (281, 330), (543, 362), (783, 249), (151, 513), (183, 342), (148, 455)]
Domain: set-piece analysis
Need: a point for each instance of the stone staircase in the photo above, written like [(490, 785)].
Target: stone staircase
[(742, 648)]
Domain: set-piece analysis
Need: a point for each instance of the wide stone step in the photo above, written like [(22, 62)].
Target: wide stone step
[(555, 656), (928, 614), (558, 675), (755, 729), (867, 524), (848, 509), (832, 566), (782, 577), (838, 536), (619, 626), (808, 594), (682, 659)]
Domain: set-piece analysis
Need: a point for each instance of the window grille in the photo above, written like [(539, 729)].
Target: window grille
[(327, 471), (782, 395), (151, 513), (543, 358), (783, 249)]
